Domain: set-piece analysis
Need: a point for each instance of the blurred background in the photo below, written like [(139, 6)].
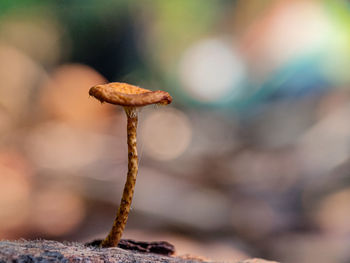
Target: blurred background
[(252, 159)]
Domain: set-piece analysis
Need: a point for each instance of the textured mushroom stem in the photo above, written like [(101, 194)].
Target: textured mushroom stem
[(116, 232)]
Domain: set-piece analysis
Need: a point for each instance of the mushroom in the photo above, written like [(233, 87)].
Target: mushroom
[(131, 98)]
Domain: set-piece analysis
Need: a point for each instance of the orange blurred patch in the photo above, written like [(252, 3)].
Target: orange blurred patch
[(65, 96), (56, 211), (15, 190)]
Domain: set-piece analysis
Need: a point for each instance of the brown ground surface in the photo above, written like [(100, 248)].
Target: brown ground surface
[(51, 251)]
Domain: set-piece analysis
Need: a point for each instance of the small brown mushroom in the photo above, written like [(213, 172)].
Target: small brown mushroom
[(130, 97)]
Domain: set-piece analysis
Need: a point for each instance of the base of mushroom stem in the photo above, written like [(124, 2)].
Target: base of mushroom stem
[(156, 247)]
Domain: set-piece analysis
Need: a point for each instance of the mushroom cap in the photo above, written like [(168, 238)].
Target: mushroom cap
[(129, 95)]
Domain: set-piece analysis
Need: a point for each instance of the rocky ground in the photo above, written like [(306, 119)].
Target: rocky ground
[(51, 251)]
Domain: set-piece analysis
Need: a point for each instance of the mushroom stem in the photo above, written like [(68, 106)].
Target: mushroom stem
[(116, 232)]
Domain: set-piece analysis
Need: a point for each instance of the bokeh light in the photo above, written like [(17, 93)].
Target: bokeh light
[(333, 214), (63, 96), (51, 209), (325, 145), (166, 134), (289, 30), (67, 142), (19, 77), (37, 36), (211, 70), (208, 208), (14, 191)]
